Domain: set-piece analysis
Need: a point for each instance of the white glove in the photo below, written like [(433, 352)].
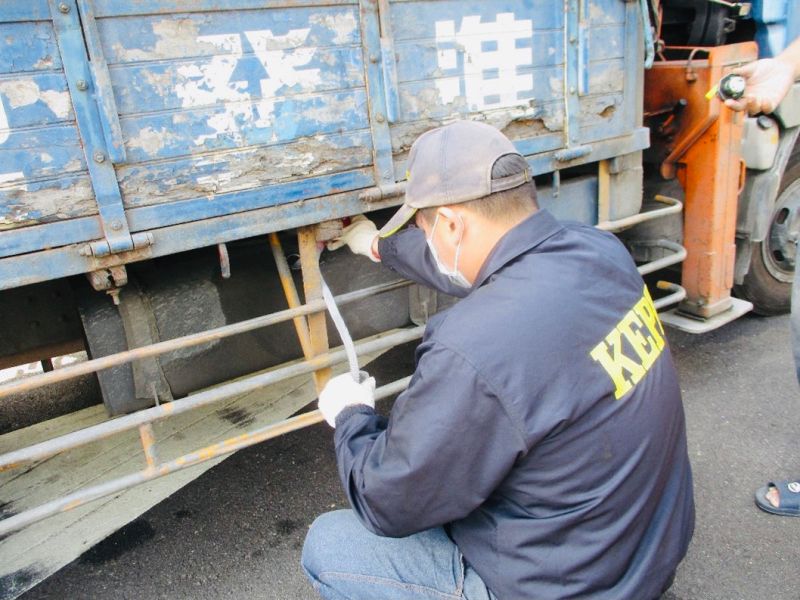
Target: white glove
[(342, 391), (358, 236), (768, 80)]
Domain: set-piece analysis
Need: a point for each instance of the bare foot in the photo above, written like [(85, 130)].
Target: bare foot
[(774, 496)]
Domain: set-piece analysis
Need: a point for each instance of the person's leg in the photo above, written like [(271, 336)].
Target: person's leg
[(770, 496), (344, 560)]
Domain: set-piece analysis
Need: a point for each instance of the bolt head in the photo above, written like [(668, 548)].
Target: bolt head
[(116, 224), (380, 118), (373, 58), (82, 85), (63, 7), (99, 157)]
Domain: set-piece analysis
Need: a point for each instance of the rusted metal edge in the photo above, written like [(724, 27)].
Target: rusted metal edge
[(227, 446), (678, 294), (186, 341), (103, 430)]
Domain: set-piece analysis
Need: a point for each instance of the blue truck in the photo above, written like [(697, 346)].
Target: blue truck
[(170, 172)]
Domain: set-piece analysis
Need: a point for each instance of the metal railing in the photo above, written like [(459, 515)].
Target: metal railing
[(314, 364)]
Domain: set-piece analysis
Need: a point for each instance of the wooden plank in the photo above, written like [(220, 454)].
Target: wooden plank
[(237, 124), (34, 100), (606, 41), (29, 10), (233, 77), (170, 37), (30, 555), (420, 61), (107, 8), (242, 169), (42, 152), (312, 288), (24, 203), (420, 20), (604, 12), (28, 47), (439, 99)]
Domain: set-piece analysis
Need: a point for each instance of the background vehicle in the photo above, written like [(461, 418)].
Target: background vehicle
[(157, 160)]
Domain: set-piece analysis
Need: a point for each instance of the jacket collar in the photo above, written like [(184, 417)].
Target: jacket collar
[(519, 240)]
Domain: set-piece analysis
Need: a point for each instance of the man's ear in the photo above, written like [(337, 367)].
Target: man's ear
[(451, 222)]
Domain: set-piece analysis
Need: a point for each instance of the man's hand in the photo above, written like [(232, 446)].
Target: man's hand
[(768, 81), (359, 236), (342, 391)]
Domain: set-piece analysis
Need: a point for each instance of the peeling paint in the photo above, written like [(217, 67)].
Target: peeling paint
[(15, 176), (45, 202), (24, 92), (58, 102), (242, 169), (44, 63), (173, 36), (20, 92), (343, 24), (469, 40), (149, 140)]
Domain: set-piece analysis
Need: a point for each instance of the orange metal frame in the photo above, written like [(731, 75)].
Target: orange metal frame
[(702, 145)]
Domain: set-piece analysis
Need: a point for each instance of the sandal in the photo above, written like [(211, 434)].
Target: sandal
[(789, 498)]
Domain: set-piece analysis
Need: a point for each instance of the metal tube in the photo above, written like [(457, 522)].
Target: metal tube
[(102, 430), (678, 294), (88, 494), (678, 255), (674, 206), (186, 341)]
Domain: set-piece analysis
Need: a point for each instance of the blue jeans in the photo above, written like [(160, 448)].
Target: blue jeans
[(344, 560)]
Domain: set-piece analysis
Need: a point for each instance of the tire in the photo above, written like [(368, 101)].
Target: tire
[(768, 283)]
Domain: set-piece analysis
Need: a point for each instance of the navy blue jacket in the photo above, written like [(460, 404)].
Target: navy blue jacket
[(543, 424)]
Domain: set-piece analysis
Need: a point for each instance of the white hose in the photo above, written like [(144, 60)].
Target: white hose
[(341, 327)]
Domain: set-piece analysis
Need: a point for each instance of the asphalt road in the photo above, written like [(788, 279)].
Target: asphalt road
[(237, 531)]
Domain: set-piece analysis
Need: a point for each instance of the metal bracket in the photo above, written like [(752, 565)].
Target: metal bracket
[(99, 155), (102, 90)]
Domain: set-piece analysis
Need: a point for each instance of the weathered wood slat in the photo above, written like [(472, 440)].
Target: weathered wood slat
[(203, 82), (28, 47), (240, 124), (222, 172), (34, 100), (168, 37)]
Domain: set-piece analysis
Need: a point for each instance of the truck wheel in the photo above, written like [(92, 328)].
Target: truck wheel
[(768, 283)]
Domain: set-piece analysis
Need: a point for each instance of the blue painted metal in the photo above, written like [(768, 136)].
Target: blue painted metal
[(777, 24), (369, 21), (27, 10), (28, 47), (66, 22), (572, 108), (245, 212), (239, 117), (102, 91), (389, 72)]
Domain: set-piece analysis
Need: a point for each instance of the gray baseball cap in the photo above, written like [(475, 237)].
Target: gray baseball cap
[(453, 164)]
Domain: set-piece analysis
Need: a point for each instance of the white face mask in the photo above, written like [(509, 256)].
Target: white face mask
[(455, 276)]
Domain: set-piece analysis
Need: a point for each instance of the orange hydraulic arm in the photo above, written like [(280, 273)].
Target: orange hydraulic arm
[(699, 142)]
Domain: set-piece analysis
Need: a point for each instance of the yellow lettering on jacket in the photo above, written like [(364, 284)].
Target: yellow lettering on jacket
[(641, 328)]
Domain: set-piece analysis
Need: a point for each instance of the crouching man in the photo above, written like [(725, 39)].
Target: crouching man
[(540, 449)]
